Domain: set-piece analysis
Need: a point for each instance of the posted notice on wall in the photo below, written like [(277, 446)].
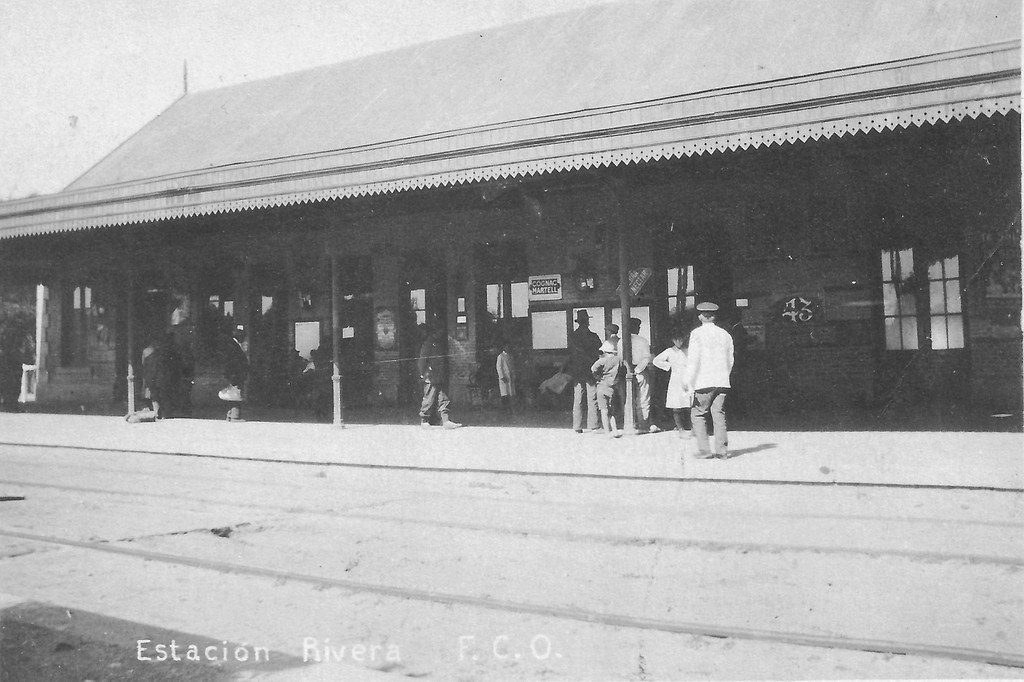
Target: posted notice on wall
[(545, 287)]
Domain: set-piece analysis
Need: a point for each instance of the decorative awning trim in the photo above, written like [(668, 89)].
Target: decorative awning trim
[(965, 84)]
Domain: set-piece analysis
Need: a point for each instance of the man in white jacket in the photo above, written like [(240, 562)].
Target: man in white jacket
[(708, 366), (506, 376)]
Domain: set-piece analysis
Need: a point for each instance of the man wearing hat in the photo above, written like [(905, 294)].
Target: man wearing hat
[(707, 372), (584, 350)]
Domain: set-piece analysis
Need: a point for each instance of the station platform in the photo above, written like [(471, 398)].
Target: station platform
[(957, 459)]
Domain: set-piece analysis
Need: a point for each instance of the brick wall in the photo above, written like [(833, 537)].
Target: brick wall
[(826, 362), (795, 378), (996, 371)]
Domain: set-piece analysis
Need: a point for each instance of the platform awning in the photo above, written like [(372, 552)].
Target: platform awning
[(602, 123)]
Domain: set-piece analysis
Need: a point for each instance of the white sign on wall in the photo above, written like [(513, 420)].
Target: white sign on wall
[(307, 337), (545, 287), (549, 330)]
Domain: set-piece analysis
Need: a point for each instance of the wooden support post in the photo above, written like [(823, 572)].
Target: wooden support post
[(628, 411), (339, 417), (130, 321)]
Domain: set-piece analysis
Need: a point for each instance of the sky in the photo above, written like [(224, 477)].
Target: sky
[(78, 77)]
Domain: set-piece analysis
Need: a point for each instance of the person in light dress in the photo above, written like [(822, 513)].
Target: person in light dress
[(679, 397)]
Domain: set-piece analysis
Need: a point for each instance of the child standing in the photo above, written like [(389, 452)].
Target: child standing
[(607, 372), (678, 398), (611, 334)]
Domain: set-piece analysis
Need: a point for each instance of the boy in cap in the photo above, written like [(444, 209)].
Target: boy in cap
[(708, 366), (607, 372), (611, 335)]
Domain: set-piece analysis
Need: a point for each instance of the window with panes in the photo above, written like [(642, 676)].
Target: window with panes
[(78, 313), (682, 290), (922, 305), (505, 316)]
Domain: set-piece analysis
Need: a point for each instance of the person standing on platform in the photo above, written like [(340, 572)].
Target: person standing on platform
[(505, 368), (167, 387), (678, 397), (608, 373), (640, 356), (584, 350), (236, 370), (187, 376), (611, 334), (433, 372), (15, 351), (709, 363)]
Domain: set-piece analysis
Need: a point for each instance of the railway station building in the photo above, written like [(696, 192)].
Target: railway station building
[(841, 177)]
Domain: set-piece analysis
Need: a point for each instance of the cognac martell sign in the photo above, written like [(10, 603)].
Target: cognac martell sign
[(545, 287)]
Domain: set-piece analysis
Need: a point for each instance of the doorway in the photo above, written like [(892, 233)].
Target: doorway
[(424, 294), (355, 318)]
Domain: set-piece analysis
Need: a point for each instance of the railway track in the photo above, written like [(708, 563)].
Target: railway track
[(448, 494), (234, 482), (792, 638), (601, 538), (213, 487), (513, 472)]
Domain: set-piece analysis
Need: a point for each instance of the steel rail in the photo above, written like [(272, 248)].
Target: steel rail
[(614, 620), (569, 536), (513, 472), (447, 494)]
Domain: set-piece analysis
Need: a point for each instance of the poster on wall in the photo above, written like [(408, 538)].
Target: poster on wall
[(307, 338), (755, 336), (545, 287), (384, 326), (182, 312)]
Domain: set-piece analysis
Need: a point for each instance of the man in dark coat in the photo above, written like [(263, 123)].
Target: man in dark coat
[(187, 375), (165, 379), (584, 350), (236, 369)]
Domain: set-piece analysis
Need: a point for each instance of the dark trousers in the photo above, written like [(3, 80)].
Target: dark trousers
[(163, 402), (435, 402), (681, 416), (709, 405)]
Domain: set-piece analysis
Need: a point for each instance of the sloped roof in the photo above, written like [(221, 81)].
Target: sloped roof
[(606, 84)]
